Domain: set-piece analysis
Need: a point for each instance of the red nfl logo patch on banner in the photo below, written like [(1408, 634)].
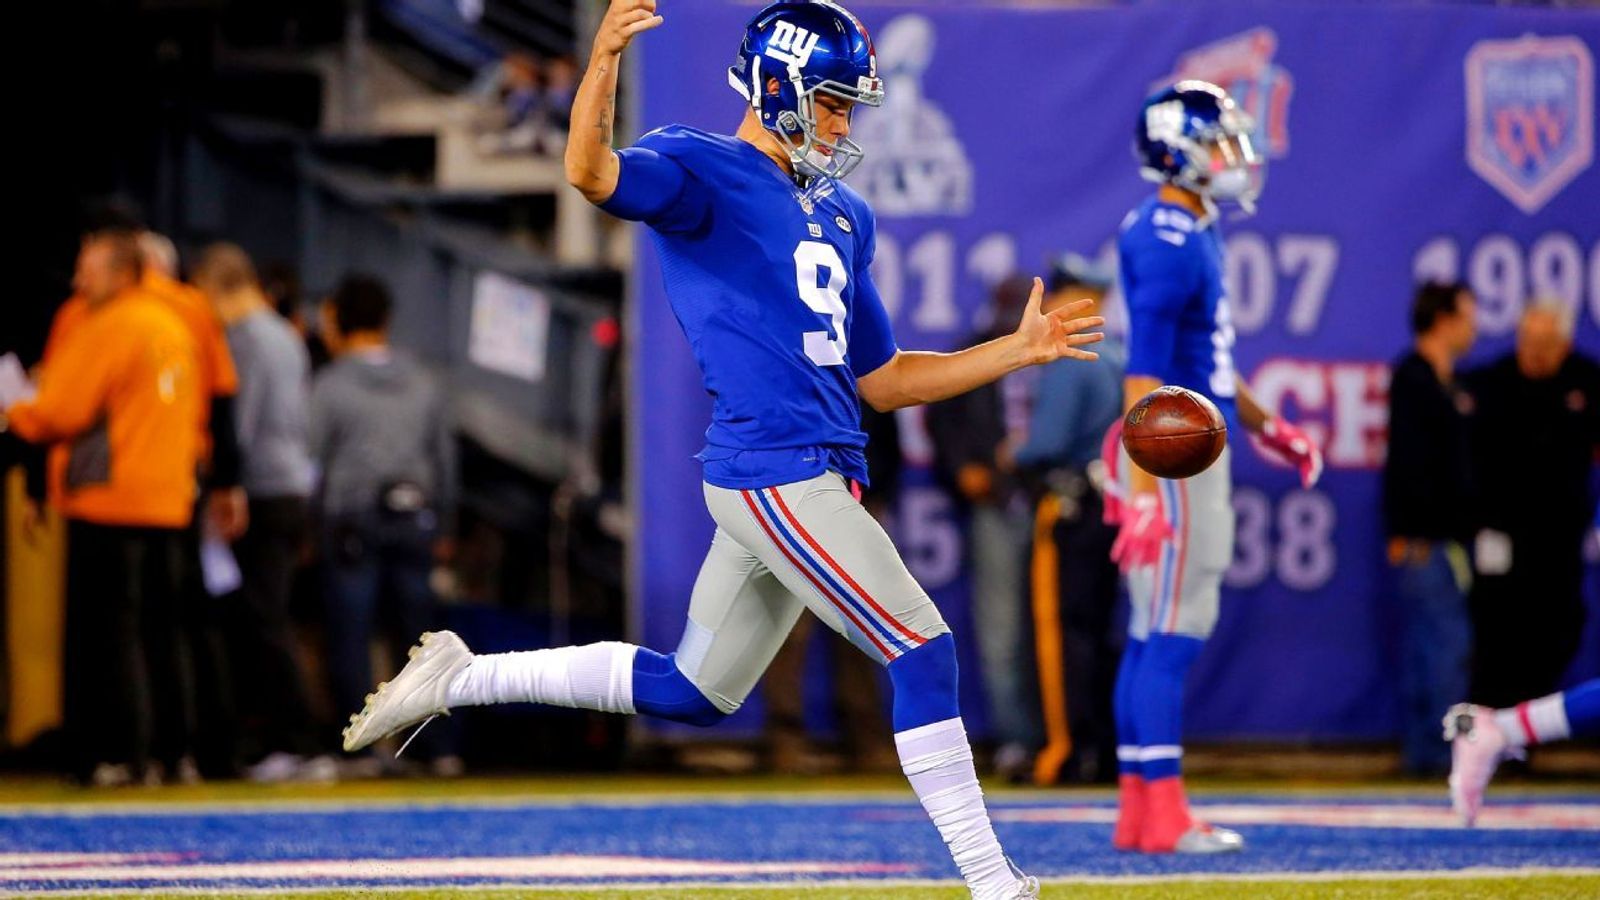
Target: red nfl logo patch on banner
[(1530, 115)]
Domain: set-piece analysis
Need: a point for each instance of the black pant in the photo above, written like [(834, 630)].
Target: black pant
[(127, 678), (1528, 623), (214, 740), (274, 705), (1091, 644)]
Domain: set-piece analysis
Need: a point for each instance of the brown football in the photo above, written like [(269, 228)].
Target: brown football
[(1174, 433)]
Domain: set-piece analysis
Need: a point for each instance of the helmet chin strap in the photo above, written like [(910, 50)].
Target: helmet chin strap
[(788, 126), (795, 129), (809, 161)]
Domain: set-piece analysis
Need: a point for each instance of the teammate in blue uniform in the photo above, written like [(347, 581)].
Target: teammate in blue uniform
[(765, 255), (1176, 537)]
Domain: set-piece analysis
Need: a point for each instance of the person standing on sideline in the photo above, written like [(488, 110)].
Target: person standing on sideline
[(271, 417), (120, 392), (380, 436), (975, 436), (220, 511), (1075, 583), (1429, 510), (1536, 412)]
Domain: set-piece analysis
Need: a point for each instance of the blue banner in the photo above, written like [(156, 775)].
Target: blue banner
[(1404, 142)]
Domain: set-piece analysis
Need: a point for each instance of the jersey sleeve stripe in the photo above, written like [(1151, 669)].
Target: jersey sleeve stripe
[(823, 591), (915, 639)]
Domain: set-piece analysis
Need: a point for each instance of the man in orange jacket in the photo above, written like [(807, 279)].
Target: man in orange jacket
[(120, 389), (217, 378)]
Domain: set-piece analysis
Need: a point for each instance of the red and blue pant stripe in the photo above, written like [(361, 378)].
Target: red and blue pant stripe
[(854, 603)]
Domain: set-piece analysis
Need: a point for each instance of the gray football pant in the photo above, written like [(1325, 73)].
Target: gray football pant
[(778, 551), (1182, 593)]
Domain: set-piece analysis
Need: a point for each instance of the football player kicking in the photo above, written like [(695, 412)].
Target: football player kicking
[(1481, 737), (765, 255), (1176, 537)]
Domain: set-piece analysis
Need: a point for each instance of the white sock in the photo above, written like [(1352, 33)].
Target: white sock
[(1535, 722), (594, 676), (938, 762)]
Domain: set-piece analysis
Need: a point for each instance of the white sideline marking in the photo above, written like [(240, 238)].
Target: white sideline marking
[(1502, 817), (832, 884), (12, 860), (110, 867), (1000, 797), (312, 805)]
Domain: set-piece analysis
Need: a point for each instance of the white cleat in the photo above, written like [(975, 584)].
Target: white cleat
[(1027, 887), (1024, 887), (415, 695), (1477, 746), (1205, 839)]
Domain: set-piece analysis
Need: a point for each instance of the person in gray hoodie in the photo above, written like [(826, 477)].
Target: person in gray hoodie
[(380, 438)]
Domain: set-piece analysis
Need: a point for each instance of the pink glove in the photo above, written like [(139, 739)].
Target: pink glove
[(1294, 447), (1111, 490), (1144, 529)]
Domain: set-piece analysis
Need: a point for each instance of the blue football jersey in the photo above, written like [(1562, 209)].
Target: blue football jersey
[(770, 285), (1179, 326)]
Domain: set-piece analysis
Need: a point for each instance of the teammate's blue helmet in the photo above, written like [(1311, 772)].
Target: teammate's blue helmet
[(1192, 135), (809, 46)]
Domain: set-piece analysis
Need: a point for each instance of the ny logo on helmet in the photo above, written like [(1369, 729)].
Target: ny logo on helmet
[(790, 45), (1164, 121)]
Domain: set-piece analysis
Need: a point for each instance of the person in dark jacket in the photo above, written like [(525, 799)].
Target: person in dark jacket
[(1427, 505), (1536, 430), (974, 439)]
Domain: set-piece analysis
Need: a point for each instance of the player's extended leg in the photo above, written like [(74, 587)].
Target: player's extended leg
[(1176, 605), (1481, 738), (829, 550), (738, 617)]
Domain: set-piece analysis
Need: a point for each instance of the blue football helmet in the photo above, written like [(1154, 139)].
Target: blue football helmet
[(810, 47), (1192, 135)]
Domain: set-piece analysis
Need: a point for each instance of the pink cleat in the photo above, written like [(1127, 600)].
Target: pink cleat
[(1477, 746)]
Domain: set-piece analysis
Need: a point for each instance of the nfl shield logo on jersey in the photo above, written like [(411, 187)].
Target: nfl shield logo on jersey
[(1530, 115)]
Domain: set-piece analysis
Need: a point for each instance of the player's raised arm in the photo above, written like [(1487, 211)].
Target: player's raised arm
[(591, 166), (911, 378)]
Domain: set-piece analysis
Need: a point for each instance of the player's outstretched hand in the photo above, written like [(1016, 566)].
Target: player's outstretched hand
[(1058, 334), (623, 20)]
